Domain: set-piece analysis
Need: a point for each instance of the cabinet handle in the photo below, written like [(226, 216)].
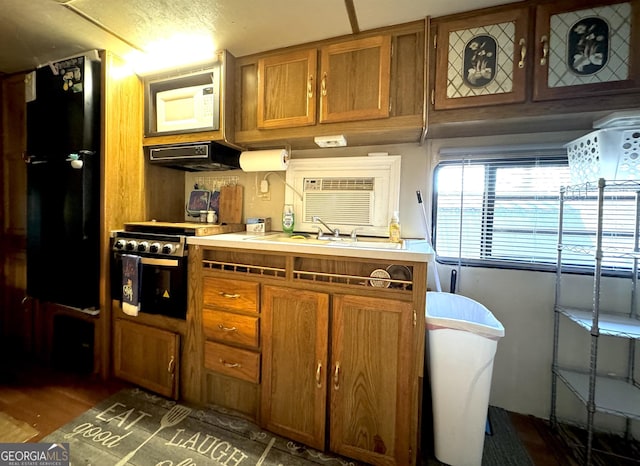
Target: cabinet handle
[(232, 365), (229, 295), (544, 40), (318, 375), (336, 377), (171, 365), (227, 329), (310, 87), (523, 53), (323, 84)]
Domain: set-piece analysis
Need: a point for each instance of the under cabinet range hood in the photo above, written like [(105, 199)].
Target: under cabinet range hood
[(195, 156)]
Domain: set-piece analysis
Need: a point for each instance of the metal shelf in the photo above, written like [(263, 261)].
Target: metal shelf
[(613, 395), (610, 324), (619, 396)]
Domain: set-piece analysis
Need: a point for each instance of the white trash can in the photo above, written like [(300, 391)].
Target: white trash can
[(462, 337)]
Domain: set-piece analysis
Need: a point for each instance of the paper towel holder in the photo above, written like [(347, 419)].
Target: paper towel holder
[(280, 160)]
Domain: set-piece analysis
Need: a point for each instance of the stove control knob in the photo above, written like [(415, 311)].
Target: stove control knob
[(119, 244), (168, 248), (131, 245), (142, 247), (154, 248)]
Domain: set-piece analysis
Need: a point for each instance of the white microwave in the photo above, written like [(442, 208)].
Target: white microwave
[(184, 103)]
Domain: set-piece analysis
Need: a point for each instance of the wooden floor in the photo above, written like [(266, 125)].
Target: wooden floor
[(47, 399)]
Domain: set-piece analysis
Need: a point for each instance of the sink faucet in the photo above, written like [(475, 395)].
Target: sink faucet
[(334, 231)]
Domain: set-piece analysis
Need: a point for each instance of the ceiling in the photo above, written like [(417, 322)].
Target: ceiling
[(36, 32)]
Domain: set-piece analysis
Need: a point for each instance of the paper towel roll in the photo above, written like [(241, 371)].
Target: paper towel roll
[(264, 160)]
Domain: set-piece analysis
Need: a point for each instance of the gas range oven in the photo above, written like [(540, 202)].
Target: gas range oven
[(163, 252)]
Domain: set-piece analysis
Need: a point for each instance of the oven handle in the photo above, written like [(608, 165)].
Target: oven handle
[(159, 262)]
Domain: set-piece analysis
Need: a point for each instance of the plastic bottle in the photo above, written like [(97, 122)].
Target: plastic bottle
[(394, 228), (288, 219)]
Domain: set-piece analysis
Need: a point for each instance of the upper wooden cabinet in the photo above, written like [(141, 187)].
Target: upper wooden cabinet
[(287, 89), (355, 80), (585, 47), (481, 60), (580, 48), (353, 84), (370, 88)]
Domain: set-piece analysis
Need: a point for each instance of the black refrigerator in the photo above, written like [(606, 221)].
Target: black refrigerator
[(63, 184)]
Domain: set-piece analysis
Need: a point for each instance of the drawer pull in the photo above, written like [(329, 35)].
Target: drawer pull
[(171, 365), (336, 377), (227, 329), (323, 85), (231, 365), (318, 375), (229, 295)]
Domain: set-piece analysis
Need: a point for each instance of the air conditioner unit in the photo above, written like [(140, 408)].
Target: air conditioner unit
[(345, 192)]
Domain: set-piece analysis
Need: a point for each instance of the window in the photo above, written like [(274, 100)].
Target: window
[(499, 213), (504, 213)]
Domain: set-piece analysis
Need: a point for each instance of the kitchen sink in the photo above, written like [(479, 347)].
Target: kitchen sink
[(342, 242)]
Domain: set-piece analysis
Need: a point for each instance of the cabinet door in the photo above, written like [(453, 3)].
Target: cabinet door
[(355, 78), (585, 47), (287, 90), (147, 356), (16, 312), (371, 357), (294, 364), (481, 60)]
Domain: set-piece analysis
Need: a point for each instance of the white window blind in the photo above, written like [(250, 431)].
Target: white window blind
[(500, 212)]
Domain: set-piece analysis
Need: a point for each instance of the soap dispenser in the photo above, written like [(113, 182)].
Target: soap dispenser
[(288, 219), (394, 228)]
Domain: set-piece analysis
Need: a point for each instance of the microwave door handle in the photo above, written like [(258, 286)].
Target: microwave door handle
[(159, 262)]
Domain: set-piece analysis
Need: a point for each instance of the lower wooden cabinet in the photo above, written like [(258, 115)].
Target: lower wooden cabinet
[(147, 356), (358, 382), (295, 331)]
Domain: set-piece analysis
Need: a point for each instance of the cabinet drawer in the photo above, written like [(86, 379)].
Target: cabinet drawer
[(231, 328), (233, 295), (233, 362)]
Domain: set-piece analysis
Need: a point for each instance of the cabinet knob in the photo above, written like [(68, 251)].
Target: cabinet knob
[(544, 40), (523, 53), (319, 375), (310, 87)]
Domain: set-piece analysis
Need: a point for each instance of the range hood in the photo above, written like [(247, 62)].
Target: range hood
[(195, 156)]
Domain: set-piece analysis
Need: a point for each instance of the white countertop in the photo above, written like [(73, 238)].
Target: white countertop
[(416, 250)]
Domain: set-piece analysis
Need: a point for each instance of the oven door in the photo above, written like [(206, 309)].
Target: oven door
[(163, 288)]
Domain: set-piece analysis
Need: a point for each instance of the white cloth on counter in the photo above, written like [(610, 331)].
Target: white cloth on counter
[(131, 281)]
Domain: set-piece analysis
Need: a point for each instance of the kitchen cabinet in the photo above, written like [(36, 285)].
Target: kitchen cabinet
[(287, 89), (481, 60), (579, 49), (355, 87), (340, 357), (585, 47), (147, 356), (355, 80), (598, 211), (231, 328), (360, 384), (295, 364)]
